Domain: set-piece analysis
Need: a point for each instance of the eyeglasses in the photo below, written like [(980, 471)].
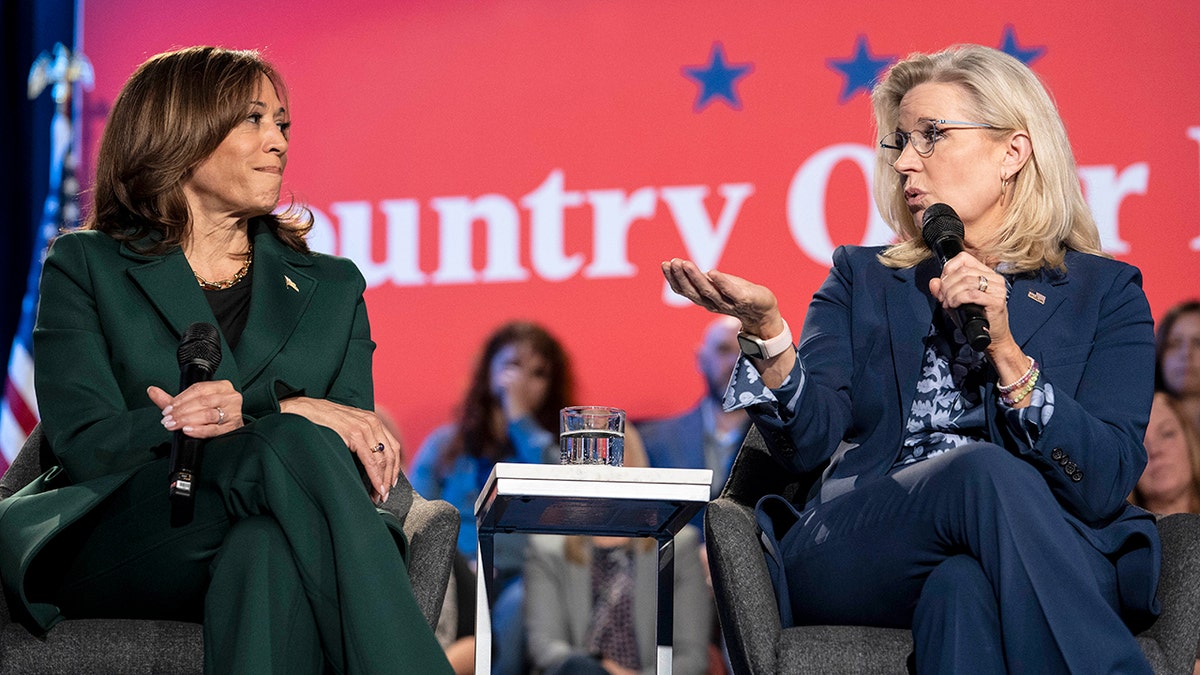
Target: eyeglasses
[(922, 140)]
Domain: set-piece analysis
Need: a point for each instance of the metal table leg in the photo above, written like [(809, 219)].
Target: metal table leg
[(484, 570), (664, 631)]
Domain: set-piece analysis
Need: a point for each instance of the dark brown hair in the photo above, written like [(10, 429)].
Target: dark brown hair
[(1165, 326), (475, 435), (174, 111)]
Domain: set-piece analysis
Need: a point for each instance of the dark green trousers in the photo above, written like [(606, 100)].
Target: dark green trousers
[(286, 561)]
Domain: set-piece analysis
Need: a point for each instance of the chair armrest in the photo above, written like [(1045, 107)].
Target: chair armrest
[(1177, 629), (746, 603), (432, 530)]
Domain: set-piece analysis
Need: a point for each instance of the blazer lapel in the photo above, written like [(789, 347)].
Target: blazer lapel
[(909, 308), (1033, 301), (168, 283), (281, 293)]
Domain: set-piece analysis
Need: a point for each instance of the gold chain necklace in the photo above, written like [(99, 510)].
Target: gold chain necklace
[(226, 283)]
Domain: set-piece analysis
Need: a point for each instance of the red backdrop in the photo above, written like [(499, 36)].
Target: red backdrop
[(537, 158)]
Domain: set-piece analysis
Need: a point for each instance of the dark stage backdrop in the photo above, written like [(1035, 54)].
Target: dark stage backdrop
[(26, 30), (538, 158)]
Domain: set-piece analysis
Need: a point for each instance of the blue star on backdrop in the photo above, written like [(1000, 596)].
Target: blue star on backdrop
[(1008, 45), (717, 79), (862, 70)]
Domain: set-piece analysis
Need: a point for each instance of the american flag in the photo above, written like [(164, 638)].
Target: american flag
[(18, 407)]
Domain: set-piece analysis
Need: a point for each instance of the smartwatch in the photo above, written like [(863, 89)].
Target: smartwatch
[(758, 348)]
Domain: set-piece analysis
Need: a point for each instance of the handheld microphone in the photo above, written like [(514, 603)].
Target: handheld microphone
[(199, 355), (943, 232)]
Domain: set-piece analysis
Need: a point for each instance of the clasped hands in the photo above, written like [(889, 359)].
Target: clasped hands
[(208, 409)]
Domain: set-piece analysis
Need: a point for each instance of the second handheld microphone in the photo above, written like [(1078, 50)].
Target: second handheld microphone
[(943, 232)]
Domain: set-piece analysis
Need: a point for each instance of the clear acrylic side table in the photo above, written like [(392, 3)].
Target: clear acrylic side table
[(586, 499)]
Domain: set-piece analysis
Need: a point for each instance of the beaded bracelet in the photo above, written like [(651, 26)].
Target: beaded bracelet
[(1005, 389), (1014, 399)]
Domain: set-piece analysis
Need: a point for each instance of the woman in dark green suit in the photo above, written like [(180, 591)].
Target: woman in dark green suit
[(287, 561)]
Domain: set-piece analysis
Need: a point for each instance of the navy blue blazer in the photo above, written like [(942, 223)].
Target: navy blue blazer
[(1089, 328)]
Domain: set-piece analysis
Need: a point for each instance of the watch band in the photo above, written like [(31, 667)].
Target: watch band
[(758, 348)]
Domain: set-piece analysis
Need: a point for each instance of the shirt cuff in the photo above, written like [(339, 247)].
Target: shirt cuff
[(746, 389), (1032, 419)]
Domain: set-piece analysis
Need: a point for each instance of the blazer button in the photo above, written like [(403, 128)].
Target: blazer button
[(1070, 468), (1064, 460), (1057, 454), (1077, 476)]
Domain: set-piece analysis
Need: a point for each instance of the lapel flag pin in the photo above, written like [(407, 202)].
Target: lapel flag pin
[(290, 284), (1038, 297)]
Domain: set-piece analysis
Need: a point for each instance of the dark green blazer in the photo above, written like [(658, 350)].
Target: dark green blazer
[(109, 324)]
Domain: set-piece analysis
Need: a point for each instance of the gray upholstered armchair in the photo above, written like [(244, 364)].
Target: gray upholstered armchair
[(125, 646), (758, 644)]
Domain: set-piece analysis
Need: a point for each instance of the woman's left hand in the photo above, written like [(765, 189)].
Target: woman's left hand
[(203, 410), (966, 280), (364, 432)]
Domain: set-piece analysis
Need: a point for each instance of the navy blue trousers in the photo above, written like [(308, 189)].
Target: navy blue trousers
[(970, 549)]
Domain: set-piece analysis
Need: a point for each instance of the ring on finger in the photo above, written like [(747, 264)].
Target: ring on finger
[(983, 284), (220, 417), (378, 447)]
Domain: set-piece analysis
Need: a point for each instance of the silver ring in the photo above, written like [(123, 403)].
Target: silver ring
[(378, 447), (220, 417), (983, 284)]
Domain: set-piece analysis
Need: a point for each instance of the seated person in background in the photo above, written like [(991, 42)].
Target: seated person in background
[(973, 494), (705, 437), (1171, 481), (509, 413), (286, 560), (590, 603), (1178, 365)]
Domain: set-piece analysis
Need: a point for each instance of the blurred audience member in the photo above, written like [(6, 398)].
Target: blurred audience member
[(1171, 481), (508, 414), (705, 437), (521, 380), (1178, 348), (590, 603)]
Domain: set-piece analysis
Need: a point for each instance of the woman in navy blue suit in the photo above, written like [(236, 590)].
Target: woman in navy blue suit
[(977, 497)]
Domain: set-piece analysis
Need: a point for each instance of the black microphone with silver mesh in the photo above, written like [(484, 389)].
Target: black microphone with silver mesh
[(943, 232), (199, 355)]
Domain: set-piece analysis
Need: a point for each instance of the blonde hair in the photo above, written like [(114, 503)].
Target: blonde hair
[(1046, 214)]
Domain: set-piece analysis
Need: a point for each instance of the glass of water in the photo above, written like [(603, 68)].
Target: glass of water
[(591, 434)]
